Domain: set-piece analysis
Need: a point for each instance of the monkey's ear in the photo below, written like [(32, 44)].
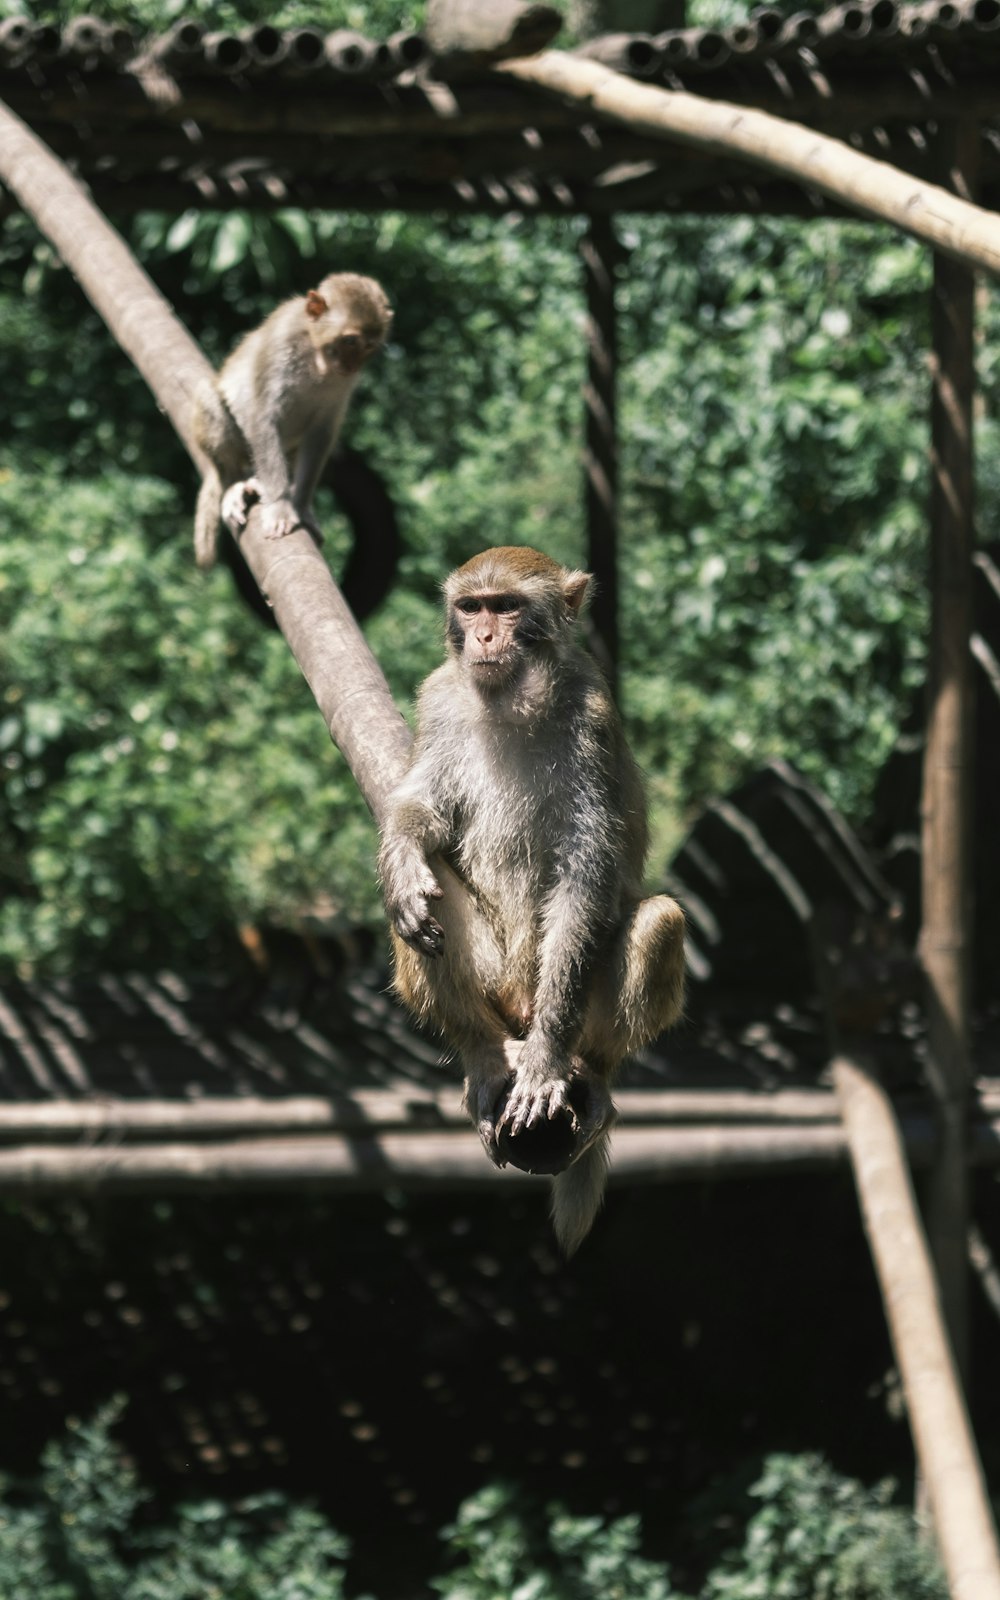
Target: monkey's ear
[(576, 586), (315, 304)]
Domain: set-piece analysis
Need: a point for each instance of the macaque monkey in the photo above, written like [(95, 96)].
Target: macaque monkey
[(548, 967), (276, 407)]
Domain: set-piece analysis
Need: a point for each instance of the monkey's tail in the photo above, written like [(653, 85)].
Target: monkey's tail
[(577, 1194), (206, 519)]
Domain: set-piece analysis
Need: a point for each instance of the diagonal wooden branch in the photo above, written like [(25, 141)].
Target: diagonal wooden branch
[(874, 188), (327, 643)]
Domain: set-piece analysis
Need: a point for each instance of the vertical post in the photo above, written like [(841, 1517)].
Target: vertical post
[(945, 939), (599, 250)]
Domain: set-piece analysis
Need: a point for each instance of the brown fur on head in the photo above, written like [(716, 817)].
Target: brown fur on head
[(518, 569), (348, 318)]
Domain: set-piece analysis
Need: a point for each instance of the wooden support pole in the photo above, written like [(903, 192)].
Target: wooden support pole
[(942, 1434), (599, 250), (945, 939)]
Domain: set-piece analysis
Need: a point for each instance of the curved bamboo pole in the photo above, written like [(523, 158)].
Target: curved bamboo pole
[(326, 641), (942, 1433), (813, 159)]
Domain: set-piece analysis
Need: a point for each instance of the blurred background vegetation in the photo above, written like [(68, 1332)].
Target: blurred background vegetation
[(79, 1531), (165, 774)]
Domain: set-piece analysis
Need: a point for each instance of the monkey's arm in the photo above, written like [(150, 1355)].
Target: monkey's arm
[(413, 831)]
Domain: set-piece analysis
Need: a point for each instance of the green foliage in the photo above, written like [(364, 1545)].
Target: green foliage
[(774, 430), (165, 775), (377, 18), (82, 1530), (818, 1536), (507, 1547), (76, 1534)]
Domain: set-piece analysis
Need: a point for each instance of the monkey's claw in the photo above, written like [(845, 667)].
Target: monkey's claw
[(412, 920)]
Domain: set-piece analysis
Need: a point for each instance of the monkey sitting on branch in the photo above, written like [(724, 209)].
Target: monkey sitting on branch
[(277, 406), (522, 823)]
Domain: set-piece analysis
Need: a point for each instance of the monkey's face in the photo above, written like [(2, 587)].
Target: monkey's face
[(349, 320), (346, 352), (486, 631)]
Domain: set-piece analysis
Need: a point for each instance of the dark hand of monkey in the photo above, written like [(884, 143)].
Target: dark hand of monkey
[(411, 916)]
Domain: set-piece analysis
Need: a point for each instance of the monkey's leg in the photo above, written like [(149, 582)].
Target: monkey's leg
[(639, 990), (450, 990)]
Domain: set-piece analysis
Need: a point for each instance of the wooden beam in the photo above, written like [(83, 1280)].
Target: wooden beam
[(946, 843), (413, 1109), (942, 1433), (600, 252), (372, 1138), (446, 1159)]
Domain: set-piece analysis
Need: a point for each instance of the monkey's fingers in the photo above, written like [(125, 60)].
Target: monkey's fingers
[(528, 1104)]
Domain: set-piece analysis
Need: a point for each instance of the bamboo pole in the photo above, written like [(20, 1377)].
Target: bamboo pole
[(946, 843), (360, 1109), (315, 1142), (447, 1159), (942, 1434), (310, 610), (871, 187)]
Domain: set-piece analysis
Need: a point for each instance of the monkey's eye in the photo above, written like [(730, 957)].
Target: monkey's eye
[(506, 602), (469, 607)]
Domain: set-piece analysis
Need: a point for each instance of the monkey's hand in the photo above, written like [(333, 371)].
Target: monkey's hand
[(236, 503), (540, 1088), (410, 914)]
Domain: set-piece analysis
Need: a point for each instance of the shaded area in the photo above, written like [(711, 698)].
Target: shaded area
[(390, 1355)]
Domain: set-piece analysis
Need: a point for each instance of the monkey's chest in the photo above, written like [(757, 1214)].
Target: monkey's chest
[(508, 853)]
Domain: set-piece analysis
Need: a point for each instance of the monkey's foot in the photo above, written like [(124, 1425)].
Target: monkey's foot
[(283, 517), (543, 1127), (280, 519), (236, 503)]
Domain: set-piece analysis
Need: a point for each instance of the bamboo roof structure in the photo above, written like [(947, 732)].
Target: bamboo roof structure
[(266, 118)]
